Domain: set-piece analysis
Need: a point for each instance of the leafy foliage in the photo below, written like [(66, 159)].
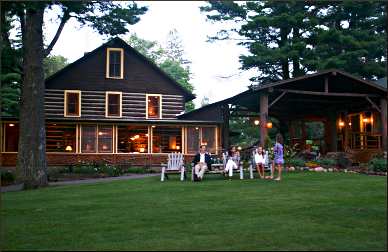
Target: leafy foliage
[(378, 165), (291, 38), (53, 64)]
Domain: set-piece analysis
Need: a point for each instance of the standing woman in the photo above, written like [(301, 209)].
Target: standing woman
[(278, 156)]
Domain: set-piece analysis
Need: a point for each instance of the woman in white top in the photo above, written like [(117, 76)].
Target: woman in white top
[(230, 165), (260, 161)]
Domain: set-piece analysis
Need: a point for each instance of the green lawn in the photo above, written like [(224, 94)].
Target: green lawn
[(305, 211)]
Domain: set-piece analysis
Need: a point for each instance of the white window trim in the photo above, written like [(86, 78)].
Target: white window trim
[(120, 105), (160, 105), (65, 102), (121, 50)]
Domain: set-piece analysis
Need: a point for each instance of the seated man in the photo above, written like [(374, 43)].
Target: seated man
[(202, 161)]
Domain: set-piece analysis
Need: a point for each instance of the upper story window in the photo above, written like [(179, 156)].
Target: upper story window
[(115, 63), (154, 106), (72, 103), (113, 101)]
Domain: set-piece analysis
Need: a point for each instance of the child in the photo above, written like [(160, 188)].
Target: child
[(230, 165), (278, 156), (260, 161)]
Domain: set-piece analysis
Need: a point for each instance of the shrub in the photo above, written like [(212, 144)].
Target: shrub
[(297, 162), (327, 162), (108, 169), (84, 169), (378, 165), (139, 170), (7, 177)]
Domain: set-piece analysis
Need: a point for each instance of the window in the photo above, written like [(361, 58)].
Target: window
[(11, 135), (192, 139), (113, 101), (105, 136), (115, 63), (88, 138), (166, 139), (197, 136), (72, 103), (154, 108), (61, 138), (132, 139), (209, 138)]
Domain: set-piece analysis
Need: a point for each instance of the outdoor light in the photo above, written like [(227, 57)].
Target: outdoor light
[(350, 124), (69, 148), (178, 147), (256, 122), (239, 148), (100, 133), (153, 126), (365, 120), (11, 125), (341, 124), (146, 135), (269, 125), (196, 128)]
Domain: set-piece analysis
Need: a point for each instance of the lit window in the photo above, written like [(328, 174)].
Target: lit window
[(154, 107), (132, 139), (73, 103), (88, 138), (105, 136), (113, 104), (114, 64), (61, 138), (166, 139)]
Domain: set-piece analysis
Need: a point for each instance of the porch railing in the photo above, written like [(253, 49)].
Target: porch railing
[(361, 140)]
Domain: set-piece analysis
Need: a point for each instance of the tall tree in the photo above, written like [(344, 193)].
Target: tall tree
[(171, 61), (290, 38), (112, 19)]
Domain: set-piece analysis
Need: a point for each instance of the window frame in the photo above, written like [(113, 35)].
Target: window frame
[(107, 104), (107, 73), (160, 105), (65, 102)]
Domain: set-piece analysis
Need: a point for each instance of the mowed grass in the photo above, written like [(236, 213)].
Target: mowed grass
[(305, 211)]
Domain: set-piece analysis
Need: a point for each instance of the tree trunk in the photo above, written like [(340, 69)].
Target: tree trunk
[(31, 162), (284, 63)]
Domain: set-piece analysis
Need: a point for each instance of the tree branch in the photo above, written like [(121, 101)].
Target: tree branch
[(65, 18)]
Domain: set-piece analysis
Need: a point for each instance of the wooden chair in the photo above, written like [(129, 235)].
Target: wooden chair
[(174, 164)]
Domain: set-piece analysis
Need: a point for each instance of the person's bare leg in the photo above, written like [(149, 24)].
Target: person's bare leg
[(279, 168), (261, 169), (272, 169), (258, 170)]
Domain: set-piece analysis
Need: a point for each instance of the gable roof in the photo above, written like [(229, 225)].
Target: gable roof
[(118, 42), (254, 92)]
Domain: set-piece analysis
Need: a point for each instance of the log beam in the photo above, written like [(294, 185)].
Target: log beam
[(383, 114), (294, 91), (263, 117)]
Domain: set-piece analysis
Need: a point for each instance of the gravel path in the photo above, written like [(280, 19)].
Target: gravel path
[(13, 188)]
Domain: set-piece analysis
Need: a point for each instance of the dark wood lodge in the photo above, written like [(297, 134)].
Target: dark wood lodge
[(113, 104)]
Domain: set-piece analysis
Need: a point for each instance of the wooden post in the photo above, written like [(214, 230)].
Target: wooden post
[(225, 127), (332, 123), (346, 132), (263, 117), (383, 114), (304, 135)]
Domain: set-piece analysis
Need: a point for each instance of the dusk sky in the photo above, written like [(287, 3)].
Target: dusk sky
[(210, 61)]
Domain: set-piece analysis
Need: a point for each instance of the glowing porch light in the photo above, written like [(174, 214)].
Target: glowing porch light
[(269, 125), (341, 124), (239, 148), (350, 124), (365, 120), (153, 126), (256, 122), (11, 125), (69, 148)]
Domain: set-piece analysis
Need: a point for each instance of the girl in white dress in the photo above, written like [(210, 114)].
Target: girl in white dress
[(230, 165), (260, 161)]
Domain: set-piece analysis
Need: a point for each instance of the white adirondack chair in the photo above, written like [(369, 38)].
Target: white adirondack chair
[(174, 165), (239, 164), (267, 164)]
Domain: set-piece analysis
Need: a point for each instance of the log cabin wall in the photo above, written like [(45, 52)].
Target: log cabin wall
[(93, 105)]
